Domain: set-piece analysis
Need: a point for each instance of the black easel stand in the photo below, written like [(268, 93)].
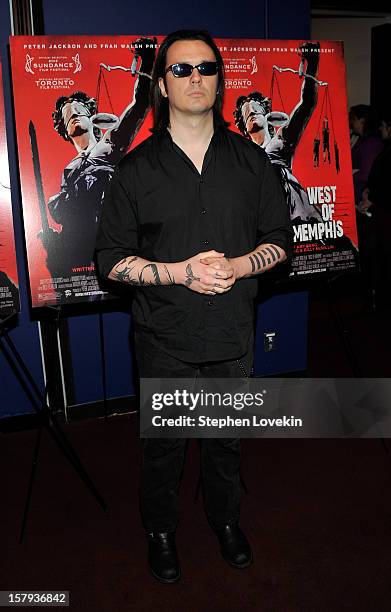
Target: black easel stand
[(46, 420)]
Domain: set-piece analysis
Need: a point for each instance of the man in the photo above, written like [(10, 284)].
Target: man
[(85, 179), (193, 185), (279, 134), (377, 198)]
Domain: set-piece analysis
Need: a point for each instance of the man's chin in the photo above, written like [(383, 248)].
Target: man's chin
[(199, 109)]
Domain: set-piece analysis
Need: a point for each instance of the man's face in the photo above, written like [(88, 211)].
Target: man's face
[(254, 119), (193, 95), (356, 125), (385, 131), (76, 118)]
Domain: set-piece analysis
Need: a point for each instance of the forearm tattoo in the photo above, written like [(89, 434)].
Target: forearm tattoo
[(169, 276), (190, 276), (263, 258), (155, 272), (126, 272)]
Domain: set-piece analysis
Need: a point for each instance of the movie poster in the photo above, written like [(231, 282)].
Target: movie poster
[(289, 97), (9, 293), (82, 102)]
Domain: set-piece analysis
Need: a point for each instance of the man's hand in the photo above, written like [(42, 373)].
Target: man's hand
[(365, 202), (208, 272), (222, 265)]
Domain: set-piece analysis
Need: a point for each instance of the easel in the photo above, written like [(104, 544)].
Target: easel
[(45, 417)]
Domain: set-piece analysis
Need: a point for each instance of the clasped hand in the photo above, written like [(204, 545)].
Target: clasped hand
[(209, 272)]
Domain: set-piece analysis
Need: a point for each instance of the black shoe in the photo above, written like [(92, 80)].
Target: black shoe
[(234, 546), (163, 557)]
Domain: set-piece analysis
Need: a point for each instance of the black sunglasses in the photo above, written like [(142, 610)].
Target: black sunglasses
[(185, 70)]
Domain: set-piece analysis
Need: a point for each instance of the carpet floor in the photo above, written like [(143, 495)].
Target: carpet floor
[(317, 512)]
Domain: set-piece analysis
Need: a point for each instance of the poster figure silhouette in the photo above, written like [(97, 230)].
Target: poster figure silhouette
[(279, 134), (98, 115)]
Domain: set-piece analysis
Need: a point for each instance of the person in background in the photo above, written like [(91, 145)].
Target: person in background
[(377, 198), (366, 147)]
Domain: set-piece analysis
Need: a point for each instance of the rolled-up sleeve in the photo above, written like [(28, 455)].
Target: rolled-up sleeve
[(274, 223), (117, 235)]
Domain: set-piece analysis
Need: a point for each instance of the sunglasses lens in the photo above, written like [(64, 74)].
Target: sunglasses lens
[(208, 68), (181, 70), (185, 70)]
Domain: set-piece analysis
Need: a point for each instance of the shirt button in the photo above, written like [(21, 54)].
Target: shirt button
[(201, 180), (206, 242), (203, 211), (210, 303)]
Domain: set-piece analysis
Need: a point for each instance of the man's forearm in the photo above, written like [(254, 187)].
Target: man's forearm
[(135, 270), (262, 259)]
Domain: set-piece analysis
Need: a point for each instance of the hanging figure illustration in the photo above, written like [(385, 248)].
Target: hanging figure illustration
[(326, 140), (316, 151), (336, 156)]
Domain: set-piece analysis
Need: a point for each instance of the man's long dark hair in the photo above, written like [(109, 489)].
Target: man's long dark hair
[(159, 103), (364, 111)]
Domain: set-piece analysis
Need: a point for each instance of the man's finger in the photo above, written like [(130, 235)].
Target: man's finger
[(218, 261), (209, 260), (219, 272), (219, 283), (208, 290), (221, 264), (224, 273), (209, 281), (222, 289), (206, 254)]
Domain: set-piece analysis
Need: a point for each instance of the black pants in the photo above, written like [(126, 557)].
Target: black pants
[(163, 458)]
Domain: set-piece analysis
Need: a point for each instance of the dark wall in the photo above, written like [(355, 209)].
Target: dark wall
[(274, 19), (225, 18), (380, 83)]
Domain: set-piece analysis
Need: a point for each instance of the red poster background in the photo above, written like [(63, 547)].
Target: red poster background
[(8, 303), (36, 103), (285, 53)]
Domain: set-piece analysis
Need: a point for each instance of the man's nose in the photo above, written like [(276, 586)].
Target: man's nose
[(195, 75)]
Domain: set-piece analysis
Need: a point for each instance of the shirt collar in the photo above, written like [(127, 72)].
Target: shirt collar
[(218, 124)]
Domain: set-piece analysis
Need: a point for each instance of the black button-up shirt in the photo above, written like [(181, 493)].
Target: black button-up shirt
[(161, 208)]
